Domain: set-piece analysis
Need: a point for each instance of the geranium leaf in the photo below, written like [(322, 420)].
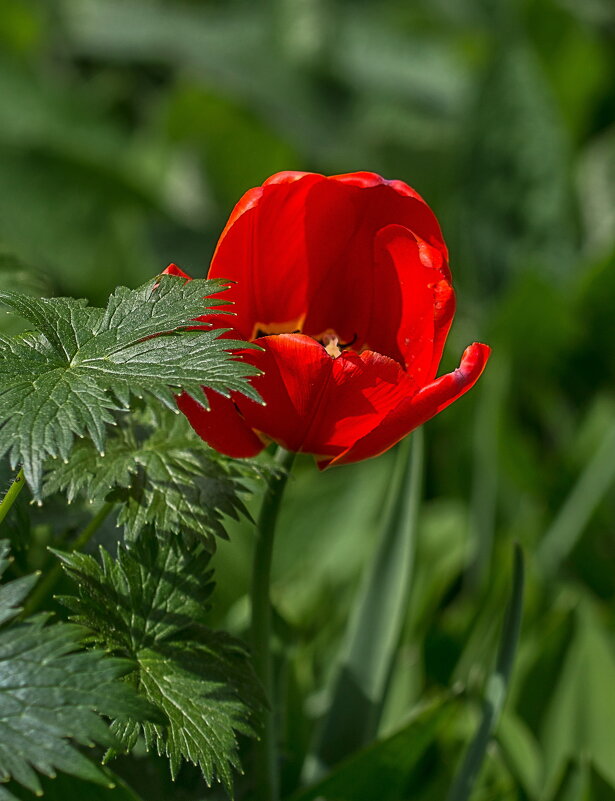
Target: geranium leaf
[(150, 605), (51, 694), (83, 363), (160, 472)]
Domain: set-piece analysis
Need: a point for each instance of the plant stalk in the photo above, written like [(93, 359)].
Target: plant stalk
[(11, 495), (49, 580), (266, 768)]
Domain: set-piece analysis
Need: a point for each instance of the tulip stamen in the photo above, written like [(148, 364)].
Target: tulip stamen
[(329, 342)]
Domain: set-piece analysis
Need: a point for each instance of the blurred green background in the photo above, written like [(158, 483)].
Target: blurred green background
[(128, 129)]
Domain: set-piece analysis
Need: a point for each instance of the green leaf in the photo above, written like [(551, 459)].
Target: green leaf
[(521, 753), (14, 592), (601, 790), (84, 363), (150, 604), (160, 472), (592, 485), (15, 275), (517, 149), (495, 690), (50, 694), (383, 769), (581, 712), (69, 788), (373, 632), (596, 182), (582, 782)]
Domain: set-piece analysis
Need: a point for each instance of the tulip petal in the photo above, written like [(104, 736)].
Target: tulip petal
[(221, 426), (301, 251), (347, 271), (415, 410), (424, 222), (412, 302), (362, 389), (173, 269), (316, 403), (263, 250)]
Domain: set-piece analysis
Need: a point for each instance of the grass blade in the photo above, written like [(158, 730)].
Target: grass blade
[(496, 689), (489, 413), (587, 493), (374, 629), (381, 770)]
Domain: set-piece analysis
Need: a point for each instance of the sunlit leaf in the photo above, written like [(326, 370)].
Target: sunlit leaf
[(84, 363)]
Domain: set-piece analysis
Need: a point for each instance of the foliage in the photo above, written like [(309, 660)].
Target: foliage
[(383, 768), (127, 131), (160, 473), (83, 363), (150, 605), (52, 693)]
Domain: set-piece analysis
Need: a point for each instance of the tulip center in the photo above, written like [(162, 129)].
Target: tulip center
[(330, 344), (289, 327), (328, 339)]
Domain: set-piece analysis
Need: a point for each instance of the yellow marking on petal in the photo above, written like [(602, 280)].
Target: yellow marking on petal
[(294, 326)]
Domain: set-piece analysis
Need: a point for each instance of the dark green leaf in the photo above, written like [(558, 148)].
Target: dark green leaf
[(496, 689), (581, 712), (592, 485), (521, 753), (383, 769), (160, 472), (582, 782), (69, 788), (150, 604), (13, 593), (15, 275), (84, 363), (50, 694)]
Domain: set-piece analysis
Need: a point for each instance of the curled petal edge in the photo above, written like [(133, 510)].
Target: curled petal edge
[(413, 411)]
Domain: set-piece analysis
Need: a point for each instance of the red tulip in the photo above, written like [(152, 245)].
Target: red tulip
[(344, 283)]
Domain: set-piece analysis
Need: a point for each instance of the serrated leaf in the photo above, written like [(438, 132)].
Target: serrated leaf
[(69, 788), (150, 604), (84, 363), (14, 592), (161, 473), (51, 694)]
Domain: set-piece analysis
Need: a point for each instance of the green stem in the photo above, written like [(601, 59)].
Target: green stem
[(50, 579), (11, 495), (266, 769)]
